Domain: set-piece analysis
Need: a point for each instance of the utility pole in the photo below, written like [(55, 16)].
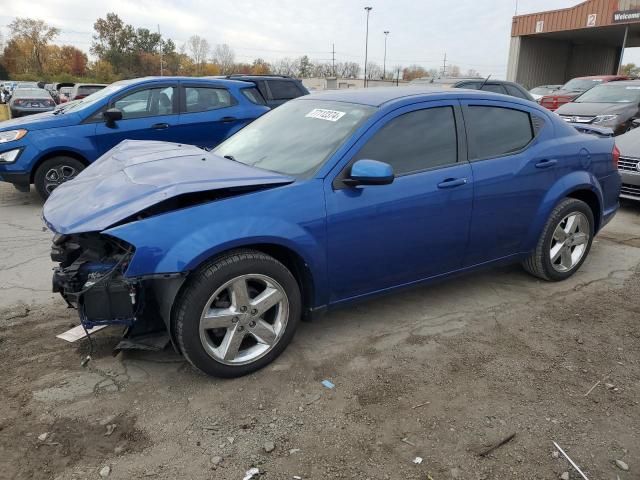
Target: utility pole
[(444, 66), (161, 69), (333, 59), (366, 46), (384, 63)]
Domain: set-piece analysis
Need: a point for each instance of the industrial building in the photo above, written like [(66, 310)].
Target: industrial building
[(588, 39)]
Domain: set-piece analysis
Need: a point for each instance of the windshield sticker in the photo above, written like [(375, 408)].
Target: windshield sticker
[(323, 114)]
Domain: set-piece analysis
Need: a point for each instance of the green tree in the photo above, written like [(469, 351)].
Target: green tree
[(114, 42)]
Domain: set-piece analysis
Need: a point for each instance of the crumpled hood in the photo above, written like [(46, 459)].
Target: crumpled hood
[(592, 109), (139, 174)]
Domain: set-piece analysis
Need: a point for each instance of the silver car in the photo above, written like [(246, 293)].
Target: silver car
[(629, 164)]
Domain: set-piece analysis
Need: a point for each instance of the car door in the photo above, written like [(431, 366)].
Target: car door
[(209, 114), (388, 235), (513, 168), (148, 113)]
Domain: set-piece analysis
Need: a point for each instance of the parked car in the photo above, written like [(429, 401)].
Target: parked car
[(51, 148), (629, 164), (82, 90), (27, 101), (65, 94), (613, 105), (292, 215), (574, 88), (275, 89), (538, 92), (30, 85), (440, 82), (496, 86)]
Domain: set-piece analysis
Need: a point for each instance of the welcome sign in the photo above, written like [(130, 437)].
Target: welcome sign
[(627, 11)]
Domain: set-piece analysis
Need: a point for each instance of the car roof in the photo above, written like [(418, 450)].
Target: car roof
[(25, 92), (598, 77), (182, 79), (634, 83), (378, 96)]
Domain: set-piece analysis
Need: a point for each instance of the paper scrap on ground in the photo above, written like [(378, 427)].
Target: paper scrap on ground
[(76, 333)]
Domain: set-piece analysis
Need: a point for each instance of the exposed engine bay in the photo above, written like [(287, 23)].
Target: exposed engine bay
[(91, 278)]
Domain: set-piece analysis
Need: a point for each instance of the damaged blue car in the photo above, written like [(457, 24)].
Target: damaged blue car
[(330, 198)]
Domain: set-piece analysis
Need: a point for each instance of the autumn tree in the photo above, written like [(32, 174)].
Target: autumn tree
[(260, 67), (412, 72), (35, 36)]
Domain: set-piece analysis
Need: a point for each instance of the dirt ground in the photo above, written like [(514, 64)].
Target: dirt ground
[(440, 372)]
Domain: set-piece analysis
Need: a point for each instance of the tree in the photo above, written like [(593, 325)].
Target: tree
[(199, 49), (454, 71), (304, 67), (374, 71), (347, 69), (630, 69), (114, 42), (412, 72), (37, 35), (285, 66), (146, 41), (102, 71), (225, 58), (473, 73), (260, 67)]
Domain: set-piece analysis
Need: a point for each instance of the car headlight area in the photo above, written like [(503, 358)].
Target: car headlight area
[(10, 156), (12, 135)]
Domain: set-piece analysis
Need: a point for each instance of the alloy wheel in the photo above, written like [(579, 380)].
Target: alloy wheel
[(569, 242), (56, 176), (244, 319)]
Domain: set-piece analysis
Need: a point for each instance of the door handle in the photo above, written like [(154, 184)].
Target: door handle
[(546, 163), (452, 182), (228, 119), (160, 126)]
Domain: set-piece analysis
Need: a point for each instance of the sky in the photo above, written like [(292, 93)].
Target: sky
[(474, 34)]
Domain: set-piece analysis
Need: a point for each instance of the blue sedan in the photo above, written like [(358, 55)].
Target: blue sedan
[(331, 198), (51, 148)]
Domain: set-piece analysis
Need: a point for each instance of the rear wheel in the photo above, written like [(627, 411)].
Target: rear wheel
[(565, 242), (54, 172), (237, 314)]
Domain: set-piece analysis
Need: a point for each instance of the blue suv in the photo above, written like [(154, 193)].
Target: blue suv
[(331, 198), (49, 149)]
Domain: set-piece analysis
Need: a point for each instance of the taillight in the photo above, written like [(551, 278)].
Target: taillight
[(616, 156)]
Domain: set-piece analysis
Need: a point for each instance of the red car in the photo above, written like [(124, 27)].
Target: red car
[(574, 88)]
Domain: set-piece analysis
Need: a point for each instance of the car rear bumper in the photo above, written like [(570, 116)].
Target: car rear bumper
[(21, 112)]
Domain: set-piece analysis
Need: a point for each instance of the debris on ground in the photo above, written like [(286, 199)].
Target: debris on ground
[(406, 440), (493, 447), (564, 476), (269, 447), (252, 472), (622, 465), (105, 471), (417, 460), (328, 384), (217, 460), (43, 436), (573, 464), (420, 405), (598, 383), (110, 428)]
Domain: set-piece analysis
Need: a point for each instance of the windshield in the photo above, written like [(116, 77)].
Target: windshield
[(295, 138), (92, 99), (581, 84), (611, 93)]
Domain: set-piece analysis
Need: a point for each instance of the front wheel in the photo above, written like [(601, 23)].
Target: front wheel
[(54, 172), (565, 242), (237, 314)]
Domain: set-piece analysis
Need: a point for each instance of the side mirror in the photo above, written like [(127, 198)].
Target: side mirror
[(111, 116), (370, 172), (636, 122)]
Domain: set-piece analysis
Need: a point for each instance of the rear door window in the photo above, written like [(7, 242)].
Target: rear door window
[(202, 99), (495, 88), (254, 96), (515, 92), (283, 90), (496, 131)]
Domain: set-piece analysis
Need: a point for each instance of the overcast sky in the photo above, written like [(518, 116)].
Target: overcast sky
[(473, 33)]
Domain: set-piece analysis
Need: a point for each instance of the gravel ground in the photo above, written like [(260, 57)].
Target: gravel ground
[(442, 372)]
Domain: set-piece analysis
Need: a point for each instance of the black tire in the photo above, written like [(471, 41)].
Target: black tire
[(43, 186), (203, 283), (539, 262)]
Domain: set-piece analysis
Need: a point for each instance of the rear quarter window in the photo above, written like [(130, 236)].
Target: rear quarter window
[(253, 95), (497, 131), (284, 90)]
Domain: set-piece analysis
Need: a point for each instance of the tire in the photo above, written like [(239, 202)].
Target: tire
[(574, 248), (55, 171), (213, 291)]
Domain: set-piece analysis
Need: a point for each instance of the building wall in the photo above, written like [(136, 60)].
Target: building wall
[(588, 60), (541, 62)]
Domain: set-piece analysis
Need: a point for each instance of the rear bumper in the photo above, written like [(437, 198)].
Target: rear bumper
[(21, 112)]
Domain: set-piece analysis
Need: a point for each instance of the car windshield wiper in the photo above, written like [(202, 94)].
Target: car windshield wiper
[(230, 157)]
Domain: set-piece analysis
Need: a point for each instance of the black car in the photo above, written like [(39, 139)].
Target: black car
[(26, 101), (613, 105), (496, 86), (276, 89)]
